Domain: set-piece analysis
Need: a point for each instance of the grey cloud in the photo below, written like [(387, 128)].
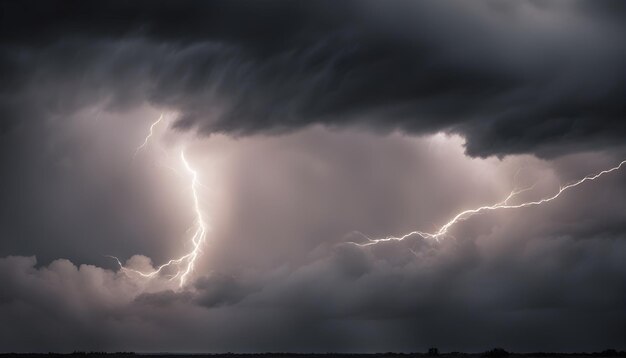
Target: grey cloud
[(81, 82), (278, 253), (70, 189), (568, 286), (163, 298), (218, 289), (530, 77)]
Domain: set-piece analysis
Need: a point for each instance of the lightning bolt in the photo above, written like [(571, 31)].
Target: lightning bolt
[(145, 141), (504, 204), (185, 264), (201, 229)]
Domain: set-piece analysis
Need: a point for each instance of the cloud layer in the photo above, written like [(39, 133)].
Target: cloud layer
[(457, 295), (279, 255), (307, 121), (529, 77)]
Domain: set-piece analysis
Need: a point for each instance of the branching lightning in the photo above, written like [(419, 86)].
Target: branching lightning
[(185, 264), (145, 142), (504, 204), (201, 229)]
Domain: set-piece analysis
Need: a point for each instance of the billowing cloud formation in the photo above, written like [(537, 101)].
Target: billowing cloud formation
[(279, 274), (540, 77), (83, 82), (461, 294)]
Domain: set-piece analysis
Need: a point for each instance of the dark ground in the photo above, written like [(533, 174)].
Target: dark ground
[(495, 353)]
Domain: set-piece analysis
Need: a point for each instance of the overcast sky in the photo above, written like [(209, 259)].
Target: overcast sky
[(312, 126)]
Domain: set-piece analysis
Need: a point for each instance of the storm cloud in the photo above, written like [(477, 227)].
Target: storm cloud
[(312, 125), (525, 77)]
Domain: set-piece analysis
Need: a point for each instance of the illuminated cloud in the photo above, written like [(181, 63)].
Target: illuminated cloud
[(285, 127)]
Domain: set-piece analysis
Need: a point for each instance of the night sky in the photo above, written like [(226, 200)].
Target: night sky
[(319, 134)]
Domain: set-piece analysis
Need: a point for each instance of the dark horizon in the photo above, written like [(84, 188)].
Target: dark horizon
[(494, 352)]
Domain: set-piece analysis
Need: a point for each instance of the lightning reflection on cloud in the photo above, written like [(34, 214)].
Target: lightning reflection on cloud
[(185, 264), (180, 268), (504, 204)]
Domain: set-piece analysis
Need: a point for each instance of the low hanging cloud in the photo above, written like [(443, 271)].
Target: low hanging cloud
[(548, 290), (527, 77)]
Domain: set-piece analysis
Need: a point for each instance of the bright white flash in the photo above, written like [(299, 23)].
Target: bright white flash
[(149, 135), (504, 204), (201, 229), (185, 264)]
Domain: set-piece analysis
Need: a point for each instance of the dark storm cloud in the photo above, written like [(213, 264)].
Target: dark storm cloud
[(540, 77), (82, 81)]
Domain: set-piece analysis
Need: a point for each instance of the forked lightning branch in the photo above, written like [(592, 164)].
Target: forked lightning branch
[(184, 265)]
